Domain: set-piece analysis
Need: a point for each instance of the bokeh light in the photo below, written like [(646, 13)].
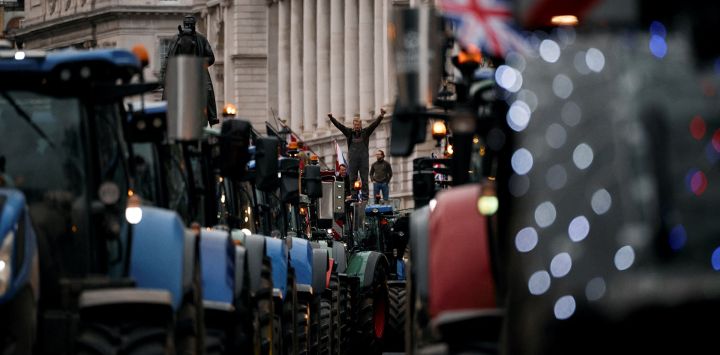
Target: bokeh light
[(658, 29), (595, 289), (677, 237), (549, 51), (518, 116), (571, 114), (601, 201), (545, 214), (579, 228), (526, 239), (539, 282), (583, 156), (595, 60), (624, 258), (715, 259), (556, 177), (580, 63), (698, 127), (560, 265), (521, 161), (716, 140), (562, 86), (564, 307), (555, 136), (658, 46), (696, 182)]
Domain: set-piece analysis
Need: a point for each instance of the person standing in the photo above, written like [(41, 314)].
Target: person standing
[(381, 173), (358, 139)]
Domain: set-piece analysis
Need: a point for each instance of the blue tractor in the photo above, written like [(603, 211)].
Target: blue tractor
[(87, 270)]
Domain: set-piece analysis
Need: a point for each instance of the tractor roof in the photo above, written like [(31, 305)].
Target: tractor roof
[(378, 209)]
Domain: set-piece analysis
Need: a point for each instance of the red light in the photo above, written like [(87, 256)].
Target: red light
[(697, 127), (716, 140), (383, 221), (698, 183)]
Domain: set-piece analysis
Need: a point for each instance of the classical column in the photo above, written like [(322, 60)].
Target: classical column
[(296, 67), (323, 62), (283, 59), (230, 47), (379, 63), (309, 68), (352, 96), (389, 65), (337, 58), (367, 76), (272, 55)]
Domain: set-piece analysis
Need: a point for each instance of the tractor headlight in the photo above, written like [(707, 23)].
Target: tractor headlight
[(6, 261)]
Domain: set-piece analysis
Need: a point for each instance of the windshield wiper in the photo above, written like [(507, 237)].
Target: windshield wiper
[(26, 117)]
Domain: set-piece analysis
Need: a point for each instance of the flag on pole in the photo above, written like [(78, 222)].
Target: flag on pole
[(487, 24), (339, 158)]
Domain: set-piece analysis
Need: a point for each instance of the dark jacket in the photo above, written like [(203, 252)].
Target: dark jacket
[(381, 171), (348, 186), (358, 142)]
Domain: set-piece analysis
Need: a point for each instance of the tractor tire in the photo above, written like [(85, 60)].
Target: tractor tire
[(314, 307), (345, 317), (395, 332), (267, 332), (131, 338), (335, 323), (18, 330), (325, 336), (371, 313), (302, 328), (190, 323), (289, 314)]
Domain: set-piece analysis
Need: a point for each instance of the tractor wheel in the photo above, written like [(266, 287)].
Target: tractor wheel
[(266, 326), (372, 315), (395, 332), (302, 328), (324, 346), (190, 323), (345, 317), (132, 338), (314, 307), (335, 323), (289, 314), (18, 330)]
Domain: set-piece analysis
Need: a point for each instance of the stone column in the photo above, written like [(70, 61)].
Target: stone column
[(309, 68), (379, 63), (296, 67), (389, 59), (337, 59), (323, 62), (367, 76), (352, 96), (272, 55), (230, 46), (283, 59)]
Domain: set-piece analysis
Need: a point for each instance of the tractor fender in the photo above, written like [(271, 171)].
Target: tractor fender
[(162, 254), (321, 262), (339, 254), (217, 260), (277, 251), (255, 252), (15, 222), (419, 244), (362, 265), (301, 259), (459, 232)]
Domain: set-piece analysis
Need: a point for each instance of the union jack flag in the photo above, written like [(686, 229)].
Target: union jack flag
[(484, 23)]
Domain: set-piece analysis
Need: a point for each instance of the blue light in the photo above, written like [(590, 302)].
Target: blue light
[(658, 29), (677, 237), (715, 259), (658, 47), (717, 66), (712, 155)]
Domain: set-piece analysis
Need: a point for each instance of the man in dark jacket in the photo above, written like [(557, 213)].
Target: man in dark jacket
[(381, 173), (190, 42), (358, 140)]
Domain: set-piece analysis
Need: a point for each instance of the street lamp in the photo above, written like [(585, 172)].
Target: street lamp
[(439, 131)]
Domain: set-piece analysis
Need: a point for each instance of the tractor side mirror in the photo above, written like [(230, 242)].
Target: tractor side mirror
[(186, 94), (312, 180), (266, 164), (289, 184), (234, 141)]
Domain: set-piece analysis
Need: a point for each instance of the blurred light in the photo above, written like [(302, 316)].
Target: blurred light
[(19, 55), (658, 47), (470, 55), (560, 265), (246, 231), (247, 219), (571, 114), (516, 61), (595, 289), (449, 150), (549, 51), (698, 183), (624, 258), (519, 185), (677, 237), (580, 63), (712, 155), (564, 20), (133, 215), (476, 140), (697, 127), (529, 98), (521, 161), (518, 116), (556, 177), (222, 198), (432, 204), (545, 214), (601, 201), (564, 307), (508, 78), (583, 156), (526, 239), (439, 130), (555, 135), (579, 228), (715, 259), (562, 86), (658, 29), (595, 60), (539, 283), (565, 35)]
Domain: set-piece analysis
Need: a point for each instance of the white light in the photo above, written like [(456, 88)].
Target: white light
[(545, 214), (539, 283), (432, 204), (595, 60), (601, 201), (246, 231), (222, 198), (624, 258), (516, 61), (562, 86), (583, 156), (19, 55), (518, 116), (560, 265), (555, 136), (521, 161), (564, 307), (549, 51), (488, 205), (579, 228), (526, 239), (595, 289), (508, 78), (133, 215), (329, 231), (246, 219), (2, 265), (556, 177), (84, 72), (571, 114)]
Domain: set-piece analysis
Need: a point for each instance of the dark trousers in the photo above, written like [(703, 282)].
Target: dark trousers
[(362, 165)]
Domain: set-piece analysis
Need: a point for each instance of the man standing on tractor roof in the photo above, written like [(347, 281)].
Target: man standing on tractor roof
[(358, 139), (190, 42)]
